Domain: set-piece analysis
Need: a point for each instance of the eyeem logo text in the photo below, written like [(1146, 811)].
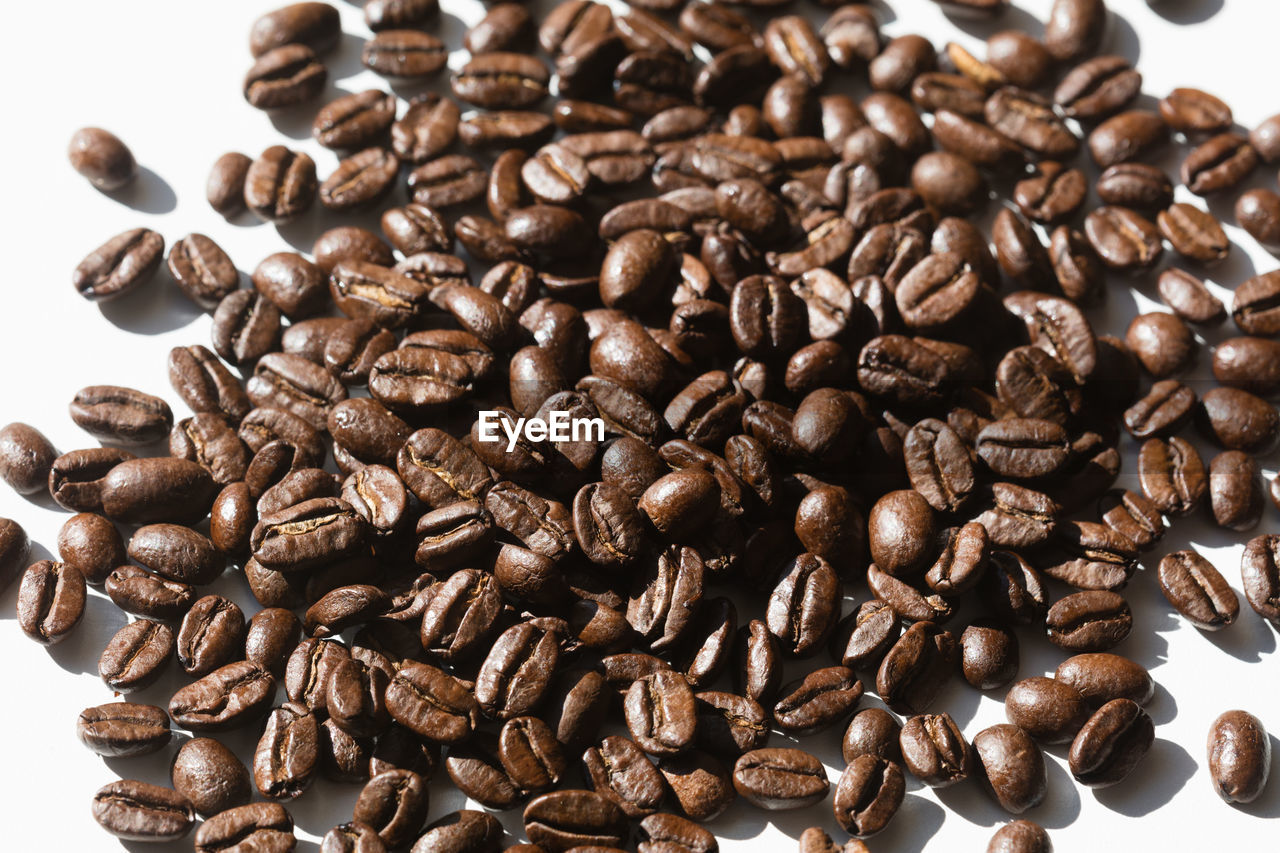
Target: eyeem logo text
[(559, 427)]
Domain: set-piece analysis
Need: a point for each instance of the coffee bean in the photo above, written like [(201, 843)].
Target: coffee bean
[(779, 779), (1235, 490), (935, 751), (1029, 120), (26, 458), (121, 415), (224, 189), (1075, 28), (286, 757), (284, 77), (1131, 135), (360, 180), (1125, 240), (225, 698), (102, 158), (988, 654), (314, 24), (139, 811), (135, 657), (352, 837), (427, 128), (280, 186), (404, 54), (1111, 743), (51, 601), (1254, 307), (1013, 767), (393, 804), (1239, 754), (1172, 475), (1218, 164), (561, 819), (123, 729), (1195, 234), (382, 15), (916, 667), (1089, 621), (210, 776), (868, 795), (119, 265)]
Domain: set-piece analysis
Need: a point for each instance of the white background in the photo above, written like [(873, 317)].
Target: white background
[(165, 76)]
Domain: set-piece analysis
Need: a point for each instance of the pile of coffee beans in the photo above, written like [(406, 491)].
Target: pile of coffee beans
[(813, 376)]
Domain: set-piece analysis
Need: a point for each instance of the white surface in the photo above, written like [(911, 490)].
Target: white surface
[(165, 77)]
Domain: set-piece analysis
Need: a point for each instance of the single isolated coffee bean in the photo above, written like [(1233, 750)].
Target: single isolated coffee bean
[(102, 158), (1239, 753)]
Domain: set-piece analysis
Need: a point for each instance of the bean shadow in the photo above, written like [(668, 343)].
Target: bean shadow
[(984, 26), (1164, 772), (146, 193), (913, 827), (153, 309), (79, 652), (1121, 39), (344, 60), (1267, 805), (1186, 12)]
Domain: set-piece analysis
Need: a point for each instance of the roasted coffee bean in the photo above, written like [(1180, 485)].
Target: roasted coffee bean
[(210, 776), (393, 804), (1235, 490), (1131, 135), (462, 831), (280, 186), (1237, 420), (225, 698), (360, 180), (1111, 743), (352, 837), (1189, 298), (266, 826), (1135, 185), (868, 795), (1124, 240), (1256, 305), (431, 703), (1029, 120), (701, 783), (1097, 87), (284, 77), (121, 415), (1012, 765), (287, 754), (91, 544), (15, 547), (780, 779), (1194, 234), (314, 24), (382, 15), (916, 667), (1239, 753), (135, 657), (501, 81), (935, 751), (426, 130), (224, 189), (1258, 570), (988, 654), (137, 591), (822, 699), (1218, 164), (619, 770), (1101, 677), (1172, 474), (202, 270), (660, 713), (1049, 710), (51, 601), (102, 158), (1197, 590), (212, 631), (26, 458), (139, 811), (1258, 212), (246, 326), (404, 54), (123, 729), (804, 606), (271, 636), (1023, 448), (1090, 621), (119, 265)]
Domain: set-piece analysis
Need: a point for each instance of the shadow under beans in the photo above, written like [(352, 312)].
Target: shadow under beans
[(146, 193), (913, 827), (1186, 12), (1161, 774), (79, 652), (344, 60), (1121, 39), (983, 27), (152, 309), (1061, 805)]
